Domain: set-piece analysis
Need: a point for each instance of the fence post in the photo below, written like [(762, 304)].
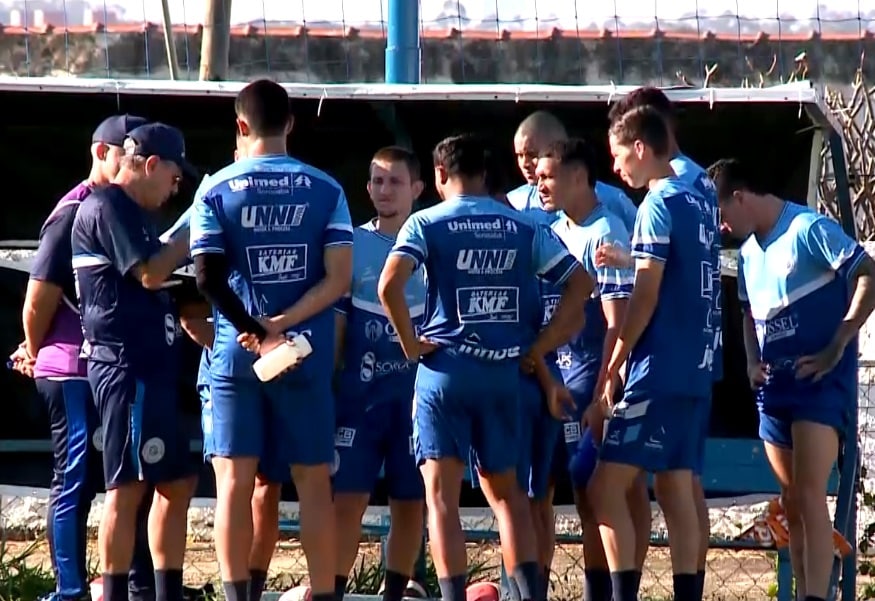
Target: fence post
[(402, 42)]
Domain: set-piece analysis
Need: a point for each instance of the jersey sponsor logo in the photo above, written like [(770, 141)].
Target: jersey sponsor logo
[(488, 304), (563, 360), (172, 329), (771, 330), (370, 368), (277, 264), (262, 184), (551, 301), (489, 354), (272, 218), (344, 437), (486, 261), (376, 329), (496, 227)]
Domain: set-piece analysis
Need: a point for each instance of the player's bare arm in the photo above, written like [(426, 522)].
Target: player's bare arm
[(560, 403), (615, 313), (40, 302), (613, 255), (568, 318), (640, 309), (396, 272), (153, 273), (862, 304), (194, 319), (756, 371), (338, 275)]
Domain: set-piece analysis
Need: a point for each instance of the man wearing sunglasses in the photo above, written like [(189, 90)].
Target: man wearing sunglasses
[(131, 332)]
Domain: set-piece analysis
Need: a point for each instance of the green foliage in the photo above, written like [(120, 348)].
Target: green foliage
[(20, 581), (367, 575)]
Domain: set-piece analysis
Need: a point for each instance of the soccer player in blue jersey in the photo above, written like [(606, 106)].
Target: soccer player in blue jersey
[(694, 176), (566, 183), (806, 288), (670, 301), (482, 312), (271, 241), (375, 385), (53, 339), (131, 332), (536, 132)]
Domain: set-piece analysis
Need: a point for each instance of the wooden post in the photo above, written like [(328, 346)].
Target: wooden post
[(169, 42), (216, 42)]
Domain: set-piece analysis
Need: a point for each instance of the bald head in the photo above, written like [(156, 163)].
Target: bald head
[(537, 131)]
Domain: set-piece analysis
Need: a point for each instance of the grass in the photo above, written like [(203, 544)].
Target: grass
[(21, 580)]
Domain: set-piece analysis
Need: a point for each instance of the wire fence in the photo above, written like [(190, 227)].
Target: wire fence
[(663, 42)]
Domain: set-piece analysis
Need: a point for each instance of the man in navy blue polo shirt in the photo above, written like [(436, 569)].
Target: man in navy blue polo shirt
[(131, 332)]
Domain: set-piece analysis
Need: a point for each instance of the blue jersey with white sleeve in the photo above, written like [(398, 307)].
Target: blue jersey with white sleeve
[(581, 359), (672, 357), (697, 178), (124, 324), (272, 217), (526, 199), (795, 282), (480, 258), (375, 369)]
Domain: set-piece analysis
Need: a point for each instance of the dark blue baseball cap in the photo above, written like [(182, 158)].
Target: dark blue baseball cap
[(115, 129), (160, 140)]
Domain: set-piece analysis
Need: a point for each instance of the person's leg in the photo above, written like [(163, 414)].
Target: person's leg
[(775, 431), (236, 443), (265, 524), (302, 425), (704, 419), (70, 407), (815, 450), (543, 472), (119, 401), (359, 457), (141, 577), (642, 516), (406, 502)]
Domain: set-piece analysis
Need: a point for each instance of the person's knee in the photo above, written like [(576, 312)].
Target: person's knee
[(176, 492), (442, 479), (125, 499), (504, 485), (235, 476), (266, 500), (313, 483), (674, 491)]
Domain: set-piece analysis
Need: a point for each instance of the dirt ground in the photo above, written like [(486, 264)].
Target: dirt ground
[(745, 575)]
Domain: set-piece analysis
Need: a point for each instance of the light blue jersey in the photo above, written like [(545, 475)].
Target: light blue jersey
[(272, 217), (795, 282), (581, 359), (673, 356), (480, 259), (375, 369), (694, 176), (527, 200)]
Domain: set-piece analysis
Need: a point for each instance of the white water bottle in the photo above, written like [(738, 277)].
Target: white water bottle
[(282, 358)]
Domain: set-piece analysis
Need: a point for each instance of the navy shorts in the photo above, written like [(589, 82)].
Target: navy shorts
[(282, 423), (703, 418), (380, 436), (777, 418), (653, 432), (144, 431), (539, 432), (463, 404)]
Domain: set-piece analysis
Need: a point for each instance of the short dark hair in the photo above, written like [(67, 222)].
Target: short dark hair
[(574, 151), (399, 154), (645, 96), (265, 106), (643, 123), (464, 155), (731, 175)]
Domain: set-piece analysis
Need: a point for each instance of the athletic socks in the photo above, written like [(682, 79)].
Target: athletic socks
[(453, 588), (685, 587), (168, 585), (322, 597), (597, 585), (236, 591), (625, 585), (527, 576), (545, 583), (700, 585), (340, 587), (395, 585), (257, 580), (115, 587)]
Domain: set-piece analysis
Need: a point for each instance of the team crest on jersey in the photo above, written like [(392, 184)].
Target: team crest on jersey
[(373, 330)]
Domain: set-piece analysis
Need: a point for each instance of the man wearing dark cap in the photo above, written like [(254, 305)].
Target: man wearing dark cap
[(131, 332), (51, 348)]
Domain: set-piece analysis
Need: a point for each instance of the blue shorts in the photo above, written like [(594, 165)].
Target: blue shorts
[(539, 432), (582, 464), (379, 436), (462, 403), (703, 418), (776, 420), (652, 432), (268, 467), (577, 440), (144, 433), (280, 422)]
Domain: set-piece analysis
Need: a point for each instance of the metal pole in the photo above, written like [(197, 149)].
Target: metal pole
[(402, 42), (169, 42)]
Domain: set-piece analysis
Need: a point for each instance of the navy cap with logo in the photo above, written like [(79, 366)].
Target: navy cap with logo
[(113, 130), (160, 140)]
